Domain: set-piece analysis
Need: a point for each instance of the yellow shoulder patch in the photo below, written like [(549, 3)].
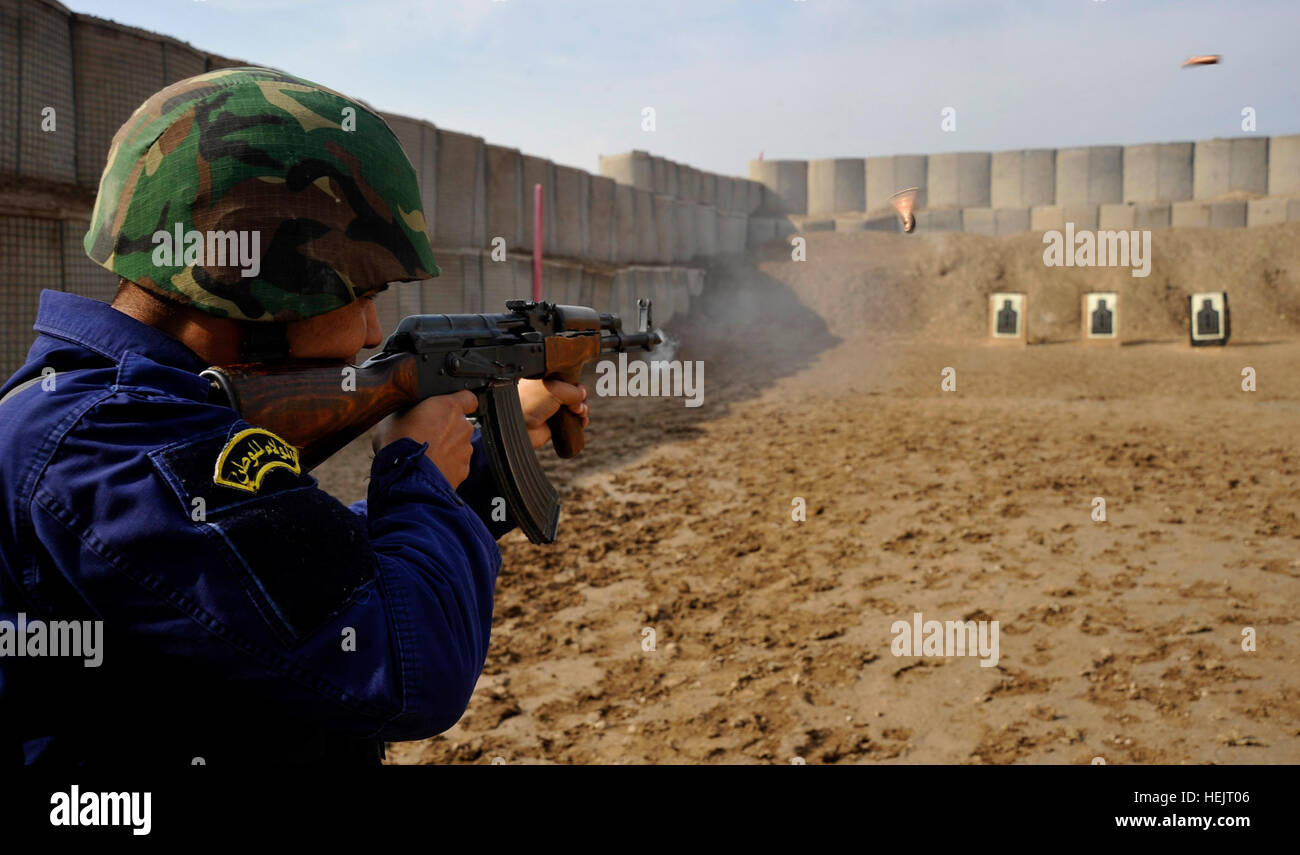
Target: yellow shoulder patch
[(249, 455)]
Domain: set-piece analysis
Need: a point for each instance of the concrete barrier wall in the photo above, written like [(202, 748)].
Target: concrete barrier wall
[(633, 167), (601, 292), (706, 184), (1158, 172), (706, 231), (732, 233), (522, 269), (881, 223), (665, 212), (505, 195), (1223, 166), (723, 193), (1227, 213), (1284, 166), (1271, 211), (1045, 217), (38, 74), (760, 230), (572, 208), (809, 223), (949, 220), (994, 221), (694, 282), (80, 274), (621, 287), (885, 176), (682, 289), (647, 241), (12, 72), (498, 283), (671, 171), (32, 250), (601, 219), (786, 182), (659, 175), (1000, 189), (563, 283), (684, 243), (980, 221), (688, 183), (737, 195), (665, 229), (959, 180), (462, 189), (757, 192), (626, 240), (181, 61), (1135, 185), (747, 196), (1022, 179), (458, 289), (837, 185), (1091, 175), (1135, 215)]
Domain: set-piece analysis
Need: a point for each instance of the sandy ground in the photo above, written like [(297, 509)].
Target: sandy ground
[(1119, 639)]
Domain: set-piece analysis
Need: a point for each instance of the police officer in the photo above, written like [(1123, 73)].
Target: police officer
[(251, 216)]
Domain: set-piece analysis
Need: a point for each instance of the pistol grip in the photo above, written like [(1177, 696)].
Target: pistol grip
[(566, 425)]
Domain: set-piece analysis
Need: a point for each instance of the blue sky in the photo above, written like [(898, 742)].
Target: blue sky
[(568, 79)]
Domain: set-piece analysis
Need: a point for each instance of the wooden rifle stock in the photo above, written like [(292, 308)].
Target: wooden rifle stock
[(313, 405)]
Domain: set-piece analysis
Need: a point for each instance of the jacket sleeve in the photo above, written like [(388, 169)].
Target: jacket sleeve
[(480, 492), (371, 626), (437, 567)]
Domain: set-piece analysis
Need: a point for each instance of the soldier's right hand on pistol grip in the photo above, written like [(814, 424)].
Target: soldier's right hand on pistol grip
[(439, 421)]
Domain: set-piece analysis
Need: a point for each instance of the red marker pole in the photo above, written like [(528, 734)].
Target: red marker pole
[(537, 243)]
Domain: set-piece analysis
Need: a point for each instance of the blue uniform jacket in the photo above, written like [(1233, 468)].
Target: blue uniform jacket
[(275, 626)]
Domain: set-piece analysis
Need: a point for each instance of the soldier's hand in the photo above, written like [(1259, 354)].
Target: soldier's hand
[(541, 399), (439, 421)]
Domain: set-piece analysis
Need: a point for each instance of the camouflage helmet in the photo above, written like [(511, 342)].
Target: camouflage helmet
[(254, 195)]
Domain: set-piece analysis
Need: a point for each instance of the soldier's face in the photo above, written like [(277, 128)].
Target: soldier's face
[(338, 334)]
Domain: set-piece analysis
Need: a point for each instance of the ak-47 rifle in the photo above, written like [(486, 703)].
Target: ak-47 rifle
[(305, 403)]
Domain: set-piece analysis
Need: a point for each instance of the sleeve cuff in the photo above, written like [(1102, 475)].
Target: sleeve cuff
[(398, 460)]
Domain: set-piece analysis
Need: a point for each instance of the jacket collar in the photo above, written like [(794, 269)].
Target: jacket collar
[(108, 332)]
